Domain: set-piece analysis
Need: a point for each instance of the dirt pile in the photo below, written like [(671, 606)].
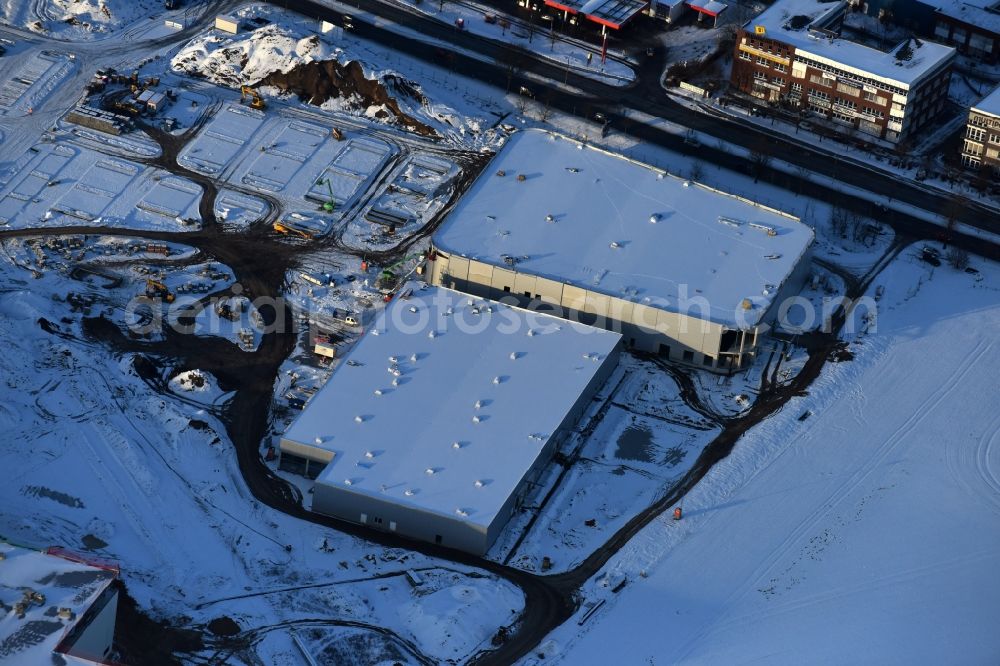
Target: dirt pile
[(319, 81)]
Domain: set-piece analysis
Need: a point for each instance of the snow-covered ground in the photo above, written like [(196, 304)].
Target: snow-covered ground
[(95, 458), (640, 442), (76, 19), (62, 185), (867, 533)]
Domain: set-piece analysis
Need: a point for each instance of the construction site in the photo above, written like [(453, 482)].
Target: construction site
[(308, 361)]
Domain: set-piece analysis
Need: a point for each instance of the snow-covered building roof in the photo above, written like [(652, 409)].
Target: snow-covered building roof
[(983, 14), (34, 587), (602, 222), (811, 26), (989, 104), (448, 401)]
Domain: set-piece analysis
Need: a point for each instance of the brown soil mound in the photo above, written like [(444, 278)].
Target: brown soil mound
[(318, 81)]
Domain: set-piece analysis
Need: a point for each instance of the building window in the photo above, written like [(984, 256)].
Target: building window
[(778, 67), (942, 30), (819, 94), (507, 289), (796, 87), (972, 149), (994, 138), (760, 76), (975, 134), (745, 56), (706, 360), (970, 162), (848, 104), (762, 61), (689, 356), (778, 81)]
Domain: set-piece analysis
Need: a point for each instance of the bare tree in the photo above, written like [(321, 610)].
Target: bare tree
[(759, 161), (839, 221), (958, 258), (697, 171)]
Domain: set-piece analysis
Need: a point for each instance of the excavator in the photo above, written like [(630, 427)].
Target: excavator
[(389, 279), (255, 100), (156, 289), (286, 229)]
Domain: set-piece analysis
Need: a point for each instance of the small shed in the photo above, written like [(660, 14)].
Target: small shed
[(227, 24)]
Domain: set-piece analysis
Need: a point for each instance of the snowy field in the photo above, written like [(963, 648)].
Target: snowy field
[(867, 533), (28, 81), (63, 185), (76, 20)]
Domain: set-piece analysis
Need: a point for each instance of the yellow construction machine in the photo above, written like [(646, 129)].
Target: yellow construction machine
[(255, 100)]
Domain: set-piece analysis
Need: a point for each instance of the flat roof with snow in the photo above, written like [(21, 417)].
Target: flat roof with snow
[(62, 583), (450, 422), (989, 104), (602, 222), (983, 14), (810, 26)]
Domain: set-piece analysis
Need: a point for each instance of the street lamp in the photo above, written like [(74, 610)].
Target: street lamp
[(532, 8), (552, 30)]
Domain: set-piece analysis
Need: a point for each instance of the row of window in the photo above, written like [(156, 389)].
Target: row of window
[(984, 121), (833, 70)]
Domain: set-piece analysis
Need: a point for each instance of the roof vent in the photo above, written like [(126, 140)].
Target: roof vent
[(615, 244), (770, 231), (408, 492), (476, 419), (413, 358), (319, 440), (550, 218), (429, 471), (369, 454), (654, 218), (377, 392), (456, 445), (359, 419), (513, 356), (348, 482), (432, 335), (531, 332), (462, 512), (479, 484), (496, 380), (479, 404), (395, 382)]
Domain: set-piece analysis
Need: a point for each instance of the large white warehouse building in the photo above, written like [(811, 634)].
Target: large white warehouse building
[(678, 268), (435, 425)]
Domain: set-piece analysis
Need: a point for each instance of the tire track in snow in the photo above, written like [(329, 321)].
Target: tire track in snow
[(962, 456), (864, 470)]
